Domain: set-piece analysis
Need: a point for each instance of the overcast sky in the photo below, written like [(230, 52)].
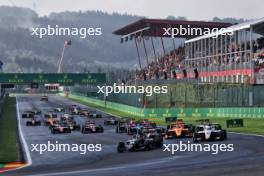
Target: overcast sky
[(192, 9)]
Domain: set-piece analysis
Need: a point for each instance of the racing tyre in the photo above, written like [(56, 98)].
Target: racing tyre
[(195, 137), (121, 148)]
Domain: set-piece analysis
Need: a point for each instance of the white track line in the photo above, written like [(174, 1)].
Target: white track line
[(248, 134), (24, 143), (126, 166)]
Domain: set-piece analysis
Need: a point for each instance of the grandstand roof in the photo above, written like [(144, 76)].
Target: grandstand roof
[(257, 26), (154, 27)]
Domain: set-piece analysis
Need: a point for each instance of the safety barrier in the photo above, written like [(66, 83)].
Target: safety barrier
[(235, 112)]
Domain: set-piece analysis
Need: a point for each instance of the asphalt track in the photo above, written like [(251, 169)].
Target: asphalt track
[(246, 159)]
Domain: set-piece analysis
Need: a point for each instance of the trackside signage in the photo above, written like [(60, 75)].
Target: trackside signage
[(49, 78), (233, 123), (178, 112)]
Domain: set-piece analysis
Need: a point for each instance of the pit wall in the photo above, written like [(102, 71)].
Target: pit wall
[(176, 112)]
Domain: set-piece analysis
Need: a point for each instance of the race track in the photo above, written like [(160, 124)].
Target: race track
[(246, 159)]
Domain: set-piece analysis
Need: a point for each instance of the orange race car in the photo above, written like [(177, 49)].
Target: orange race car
[(179, 129)]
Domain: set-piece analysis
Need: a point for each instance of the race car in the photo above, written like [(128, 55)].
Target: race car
[(91, 127), (146, 122), (50, 118), (121, 126), (141, 142), (134, 129), (59, 128), (94, 114), (210, 131), (74, 109), (179, 129), (110, 121), (50, 115), (28, 114), (44, 98), (74, 126), (36, 111), (84, 112), (59, 110), (50, 121), (67, 117), (33, 122)]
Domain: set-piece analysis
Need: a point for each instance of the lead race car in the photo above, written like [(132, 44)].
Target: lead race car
[(209, 131), (141, 142)]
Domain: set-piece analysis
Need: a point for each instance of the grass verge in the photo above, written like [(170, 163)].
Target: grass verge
[(251, 125), (8, 131)]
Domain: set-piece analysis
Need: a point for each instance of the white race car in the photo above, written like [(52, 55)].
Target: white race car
[(208, 132)]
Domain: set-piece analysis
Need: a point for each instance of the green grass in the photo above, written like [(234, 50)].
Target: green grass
[(251, 125), (8, 132)]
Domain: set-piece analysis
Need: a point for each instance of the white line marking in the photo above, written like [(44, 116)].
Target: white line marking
[(24, 143), (248, 134), (110, 168)]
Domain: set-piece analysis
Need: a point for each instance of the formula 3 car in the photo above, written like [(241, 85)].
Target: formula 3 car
[(210, 131), (110, 121), (141, 142), (94, 114), (74, 109), (44, 98), (58, 110), (91, 127), (33, 122), (59, 128), (121, 126), (28, 114), (179, 129), (84, 112)]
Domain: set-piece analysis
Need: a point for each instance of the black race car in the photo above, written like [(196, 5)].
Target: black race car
[(91, 127), (141, 142), (59, 128), (94, 114), (121, 126), (58, 110), (33, 122), (110, 121), (44, 98), (28, 114)]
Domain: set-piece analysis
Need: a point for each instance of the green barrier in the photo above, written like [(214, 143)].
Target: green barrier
[(2, 165), (177, 112)]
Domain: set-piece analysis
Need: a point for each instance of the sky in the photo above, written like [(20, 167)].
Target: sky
[(192, 9)]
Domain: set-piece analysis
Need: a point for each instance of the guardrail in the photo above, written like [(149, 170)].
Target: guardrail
[(230, 112)]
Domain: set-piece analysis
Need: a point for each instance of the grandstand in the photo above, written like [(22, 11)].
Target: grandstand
[(215, 57)]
